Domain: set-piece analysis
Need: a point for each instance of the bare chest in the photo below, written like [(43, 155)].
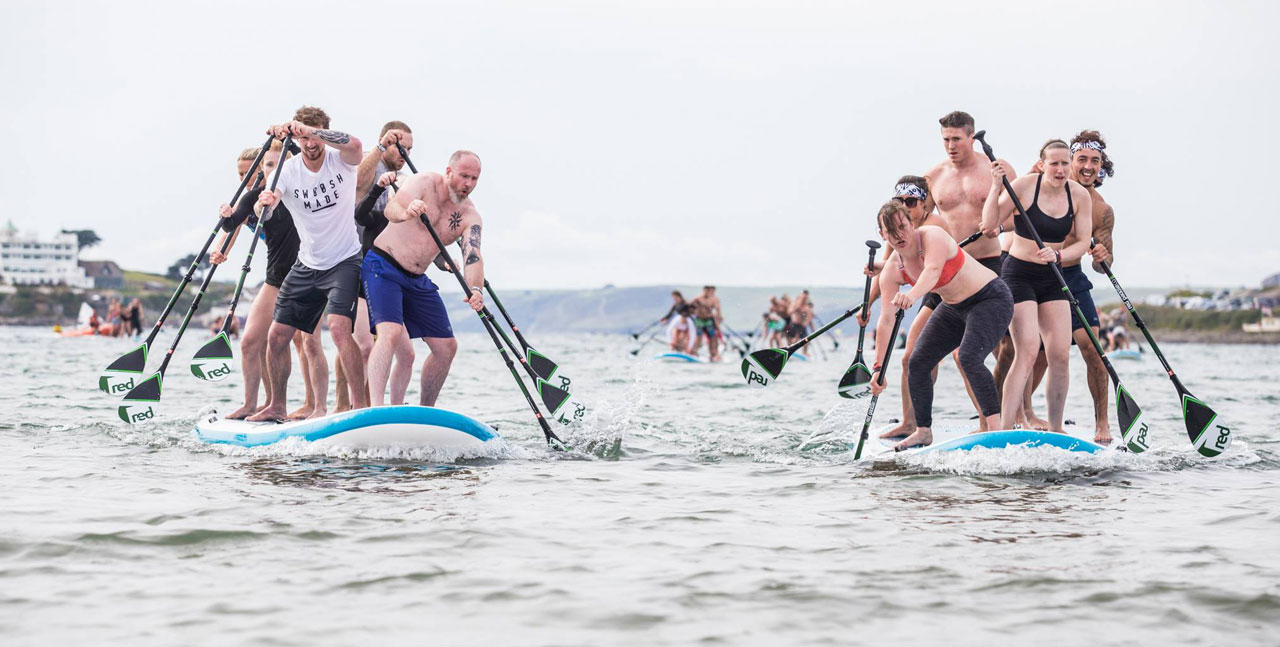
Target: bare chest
[(961, 191)]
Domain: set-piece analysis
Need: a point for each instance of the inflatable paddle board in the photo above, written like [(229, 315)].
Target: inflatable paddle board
[(400, 426), (955, 439), (800, 356), (1127, 353), (677, 357)]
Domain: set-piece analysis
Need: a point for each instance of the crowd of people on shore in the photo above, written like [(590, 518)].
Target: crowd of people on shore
[(347, 246), (122, 320), (987, 282)]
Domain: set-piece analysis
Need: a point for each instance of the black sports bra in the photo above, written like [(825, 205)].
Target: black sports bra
[(1051, 230)]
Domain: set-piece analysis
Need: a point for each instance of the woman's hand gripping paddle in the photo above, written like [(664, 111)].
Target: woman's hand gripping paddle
[(858, 374)]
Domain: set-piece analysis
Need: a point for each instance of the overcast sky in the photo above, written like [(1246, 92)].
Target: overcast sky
[(640, 143)]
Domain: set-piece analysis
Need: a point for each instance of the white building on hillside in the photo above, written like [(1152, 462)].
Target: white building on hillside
[(27, 260)]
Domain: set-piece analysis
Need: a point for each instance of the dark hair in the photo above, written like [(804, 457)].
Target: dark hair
[(889, 213), (676, 293), (958, 119), (917, 180), (312, 116), (1053, 144), (1095, 136), (398, 125)]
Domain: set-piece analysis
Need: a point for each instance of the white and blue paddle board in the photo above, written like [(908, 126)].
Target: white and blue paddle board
[(401, 426), (957, 439), (677, 357), (1126, 353)]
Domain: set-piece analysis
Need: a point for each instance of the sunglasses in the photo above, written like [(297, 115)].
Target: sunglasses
[(909, 201)]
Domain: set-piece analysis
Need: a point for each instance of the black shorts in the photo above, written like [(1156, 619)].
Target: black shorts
[(994, 263), (1080, 286), (931, 301), (307, 294), (1031, 281)]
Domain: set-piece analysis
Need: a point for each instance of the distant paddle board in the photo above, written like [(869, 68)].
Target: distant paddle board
[(1126, 353), (677, 357), (408, 427)]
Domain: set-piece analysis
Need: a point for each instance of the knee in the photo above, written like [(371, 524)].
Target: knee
[(445, 348), (970, 358), (1058, 357), (278, 338), (916, 365)]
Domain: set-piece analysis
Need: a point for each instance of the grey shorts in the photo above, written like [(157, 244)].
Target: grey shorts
[(307, 294)]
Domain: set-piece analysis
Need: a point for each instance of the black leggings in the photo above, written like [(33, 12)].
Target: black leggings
[(975, 325)]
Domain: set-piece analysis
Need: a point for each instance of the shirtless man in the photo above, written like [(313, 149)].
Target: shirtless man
[(706, 321), (318, 187), (959, 187), (801, 316), (401, 297)]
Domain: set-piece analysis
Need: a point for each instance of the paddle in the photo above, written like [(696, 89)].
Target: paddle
[(645, 342), (1195, 413), (636, 335), (213, 361), (119, 376), (1133, 432), (139, 403), (858, 374), (764, 366), (553, 397), (542, 365), (835, 343), (884, 366)]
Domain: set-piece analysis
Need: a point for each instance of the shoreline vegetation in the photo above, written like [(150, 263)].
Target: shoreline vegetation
[(49, 306)]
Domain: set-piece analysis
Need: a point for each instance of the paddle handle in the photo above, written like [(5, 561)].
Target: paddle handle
[(975, 236)]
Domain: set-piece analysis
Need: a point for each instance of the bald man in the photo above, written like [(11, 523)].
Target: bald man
[(401, 297)]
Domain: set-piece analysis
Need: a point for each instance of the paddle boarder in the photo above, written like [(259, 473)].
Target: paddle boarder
[(401, 296), (318, 186), (1057, 206), (706, 322), (975, 308)]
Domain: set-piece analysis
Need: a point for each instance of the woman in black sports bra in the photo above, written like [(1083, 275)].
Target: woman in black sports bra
[(1056, 206)]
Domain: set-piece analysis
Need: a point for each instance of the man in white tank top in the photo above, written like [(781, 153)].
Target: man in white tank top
[(319, 188)]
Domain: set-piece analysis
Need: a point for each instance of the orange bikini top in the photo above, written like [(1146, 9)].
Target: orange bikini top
[(949, 269)]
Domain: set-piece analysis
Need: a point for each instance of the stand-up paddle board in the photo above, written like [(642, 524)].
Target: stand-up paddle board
[(1126, 353), (392, 427), (956, 439), (800, 356), (677, 357)]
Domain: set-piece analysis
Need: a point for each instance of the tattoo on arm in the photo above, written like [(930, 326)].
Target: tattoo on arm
[(455, 219), (332, 136), (473, 245)]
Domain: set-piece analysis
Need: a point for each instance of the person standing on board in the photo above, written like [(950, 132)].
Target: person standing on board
[(1089, 166), (1056, 206), (401, 297), (281, 239), (706, 322), (318, 186), (379, 168), (973, 313), (679, 330)]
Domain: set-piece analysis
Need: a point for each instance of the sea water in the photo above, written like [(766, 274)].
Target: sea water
[(683, 514)]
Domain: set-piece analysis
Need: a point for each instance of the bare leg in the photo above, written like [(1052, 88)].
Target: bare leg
[(1025, 330), (318, 374), (364, 340), (402, 370), (1055, 327), (1028, 417), (1097, 375), (278, 364), (304, 366), (436, 368), (379, 368), (341, 401), (713, 348), (253, 350), (349, 354)]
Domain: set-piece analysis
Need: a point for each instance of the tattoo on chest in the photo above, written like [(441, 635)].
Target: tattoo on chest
[(455, 219)]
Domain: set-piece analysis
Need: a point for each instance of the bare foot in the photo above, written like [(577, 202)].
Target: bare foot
[(242, 412), (267, 414), (1103, 435), (341, 407), (318, 412), (1036, 422), (921, 438), (901, 431), (301, 413)]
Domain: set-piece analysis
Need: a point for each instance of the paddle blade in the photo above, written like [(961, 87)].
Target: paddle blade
[(139, 403), (121, 375), (1208, 437), (1133, 431), (542, 365), (553, 397), (857, 375), (763, 366), (213, 361)]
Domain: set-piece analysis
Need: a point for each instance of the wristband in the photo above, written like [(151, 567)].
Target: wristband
[(875, 368), (476, 289), (381, 147), (1059, 253)]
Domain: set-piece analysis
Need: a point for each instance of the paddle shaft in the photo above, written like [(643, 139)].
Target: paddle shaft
[(191, 271), (1143, 327), (866, 297), (636, 335), (871, 408), (485, 318), (815, 334), (253, 244)]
